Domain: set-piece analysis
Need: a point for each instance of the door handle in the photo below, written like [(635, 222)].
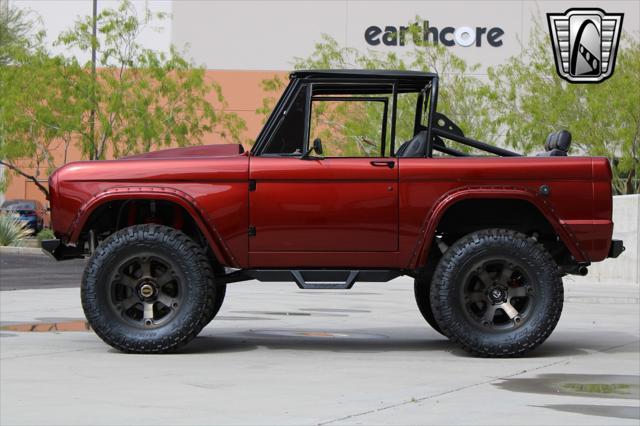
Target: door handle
[(389, 164)]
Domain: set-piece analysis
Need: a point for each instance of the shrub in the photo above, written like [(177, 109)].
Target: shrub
[(12, 231), (46, 234)]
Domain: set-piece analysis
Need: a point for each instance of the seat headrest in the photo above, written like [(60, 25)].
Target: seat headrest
[(558, 140), (416, 147)]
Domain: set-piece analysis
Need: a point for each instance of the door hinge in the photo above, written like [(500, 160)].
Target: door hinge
[(252, 185), (252, 231)]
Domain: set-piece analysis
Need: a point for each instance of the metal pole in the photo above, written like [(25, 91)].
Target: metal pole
[(92, 122)]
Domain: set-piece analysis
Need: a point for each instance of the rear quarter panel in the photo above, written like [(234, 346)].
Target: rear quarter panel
[(584, 224)]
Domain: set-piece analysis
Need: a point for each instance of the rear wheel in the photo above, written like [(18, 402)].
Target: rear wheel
[(147, 289), (497, 293)]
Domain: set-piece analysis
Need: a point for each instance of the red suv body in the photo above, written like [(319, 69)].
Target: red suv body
[(288, 209)]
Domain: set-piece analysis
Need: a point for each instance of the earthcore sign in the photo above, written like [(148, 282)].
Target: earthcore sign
[(464, 36)]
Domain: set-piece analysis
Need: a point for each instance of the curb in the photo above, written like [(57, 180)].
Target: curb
[(21, 250)]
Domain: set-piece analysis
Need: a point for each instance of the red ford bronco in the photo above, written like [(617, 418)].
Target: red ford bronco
[(356, 176)]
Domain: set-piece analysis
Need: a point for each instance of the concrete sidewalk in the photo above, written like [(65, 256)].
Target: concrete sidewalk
[(278, 355)]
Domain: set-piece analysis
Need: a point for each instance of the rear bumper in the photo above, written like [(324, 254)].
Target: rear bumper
[(57, 250), (617, 247)]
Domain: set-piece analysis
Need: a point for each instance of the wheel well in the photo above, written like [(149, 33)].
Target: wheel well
[(472, 215), (118, 214)]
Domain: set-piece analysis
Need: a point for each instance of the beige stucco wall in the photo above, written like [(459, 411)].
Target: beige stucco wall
[(626, 219)]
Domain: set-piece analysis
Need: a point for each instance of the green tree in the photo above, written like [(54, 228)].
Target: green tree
[(20, 41), (40, 113), (17, 32), (142, 99), (530, 101)]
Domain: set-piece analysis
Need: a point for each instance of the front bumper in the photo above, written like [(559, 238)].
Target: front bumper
[(617, 247), (59, 251)]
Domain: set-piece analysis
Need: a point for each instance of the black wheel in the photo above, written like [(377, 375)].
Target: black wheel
[(147, 289), (498, 293), (422, 290)]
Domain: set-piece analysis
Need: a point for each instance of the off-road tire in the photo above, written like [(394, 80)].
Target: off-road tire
[(219, 294), (198, 300), (448, 292), (422, 290)]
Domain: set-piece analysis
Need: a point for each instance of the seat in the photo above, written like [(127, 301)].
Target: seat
[(415, 147), (557, 144)]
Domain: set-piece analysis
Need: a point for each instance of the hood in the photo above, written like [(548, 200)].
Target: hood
[(202, 151)]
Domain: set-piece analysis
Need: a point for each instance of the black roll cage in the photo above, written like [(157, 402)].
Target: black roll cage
[(347, 83)]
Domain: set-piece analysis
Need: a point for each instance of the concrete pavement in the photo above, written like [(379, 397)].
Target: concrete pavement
[(279, 355), (24, 268)]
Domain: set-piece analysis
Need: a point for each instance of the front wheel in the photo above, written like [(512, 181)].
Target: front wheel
[(215, 304), (497, 292), (147, 289), (421, 290)]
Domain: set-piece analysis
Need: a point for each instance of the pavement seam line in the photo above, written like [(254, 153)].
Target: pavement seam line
[(429, 397), (425, 398)]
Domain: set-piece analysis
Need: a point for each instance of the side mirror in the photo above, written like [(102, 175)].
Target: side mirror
[(316, 147)]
